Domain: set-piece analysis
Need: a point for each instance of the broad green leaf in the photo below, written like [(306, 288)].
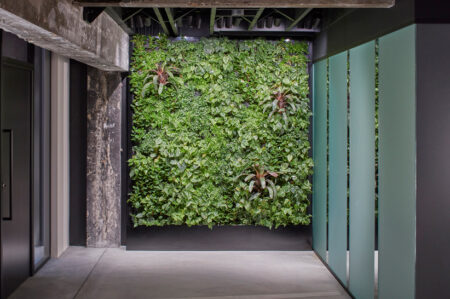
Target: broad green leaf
[(263, 182), (250, 186), (249, 177), (273, 187)]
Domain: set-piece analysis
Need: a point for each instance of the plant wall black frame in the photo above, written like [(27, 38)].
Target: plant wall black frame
[(166, 76)]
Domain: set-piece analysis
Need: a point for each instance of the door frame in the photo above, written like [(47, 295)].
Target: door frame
[(6, 61), (32, 57)]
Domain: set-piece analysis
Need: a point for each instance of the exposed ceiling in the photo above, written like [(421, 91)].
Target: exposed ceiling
[(231, 18), (214, 21)]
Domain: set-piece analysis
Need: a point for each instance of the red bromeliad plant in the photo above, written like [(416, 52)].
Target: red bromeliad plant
[(260, 180), (160, 77), (280, 99)]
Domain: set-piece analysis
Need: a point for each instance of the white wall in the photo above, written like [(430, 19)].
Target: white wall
[(59, 154)]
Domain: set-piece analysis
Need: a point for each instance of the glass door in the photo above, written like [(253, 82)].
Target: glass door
[(41, 159)]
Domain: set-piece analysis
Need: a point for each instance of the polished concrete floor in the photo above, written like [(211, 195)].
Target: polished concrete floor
[(116, 273)]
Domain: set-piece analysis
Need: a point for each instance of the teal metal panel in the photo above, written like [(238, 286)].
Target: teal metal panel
[(397, 160), (320, 158), (337, 192), (362, 171)]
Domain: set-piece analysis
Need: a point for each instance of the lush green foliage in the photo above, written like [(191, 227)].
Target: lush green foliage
[(220, 132)]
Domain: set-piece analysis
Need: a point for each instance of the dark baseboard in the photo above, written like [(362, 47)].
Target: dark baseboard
[(227, 238)]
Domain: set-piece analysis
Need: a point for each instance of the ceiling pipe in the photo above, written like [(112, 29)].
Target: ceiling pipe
[(189, 20), (316, 23), (198, 21), (148, 22), (219, 22), (237, 21), (269, 22), (228, 22), (277, 22), (140, 22), (260, 24), (179, 22)]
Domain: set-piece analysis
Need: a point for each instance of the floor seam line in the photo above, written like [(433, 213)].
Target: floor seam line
[(89, 274)]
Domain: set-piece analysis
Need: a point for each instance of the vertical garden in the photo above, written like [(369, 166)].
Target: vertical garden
[(220, 132)]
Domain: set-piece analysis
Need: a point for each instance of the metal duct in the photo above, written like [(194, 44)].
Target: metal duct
[(277, 22), (269, 22)]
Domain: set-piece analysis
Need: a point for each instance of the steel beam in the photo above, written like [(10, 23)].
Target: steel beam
[(299, 18), (284, 15), (255, 19), (132, 15), (242, 4), (171, 20), (161, 20), (212, 20)]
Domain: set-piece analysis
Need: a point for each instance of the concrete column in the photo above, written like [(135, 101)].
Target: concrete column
[(103, 158), (59, 155)]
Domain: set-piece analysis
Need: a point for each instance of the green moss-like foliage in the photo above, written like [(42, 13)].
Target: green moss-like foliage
[(206, 116)]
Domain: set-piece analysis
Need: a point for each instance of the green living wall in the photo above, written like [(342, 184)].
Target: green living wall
[(220, 132)]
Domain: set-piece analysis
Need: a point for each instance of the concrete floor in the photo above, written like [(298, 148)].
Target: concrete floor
[(116, 273)]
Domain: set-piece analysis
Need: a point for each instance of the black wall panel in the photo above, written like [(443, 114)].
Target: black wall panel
[(227, 237), (433, 161), (78, 147)]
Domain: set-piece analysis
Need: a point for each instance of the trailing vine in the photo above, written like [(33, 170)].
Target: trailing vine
[(206, 150)]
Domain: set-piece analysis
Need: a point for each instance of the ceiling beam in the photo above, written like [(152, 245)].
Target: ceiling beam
[(184, 14), (241, 3), (171, 21), (299, 18), (212, 19), (161, 20), (284, 15), (113, 13), (132, 15), (255, 19)]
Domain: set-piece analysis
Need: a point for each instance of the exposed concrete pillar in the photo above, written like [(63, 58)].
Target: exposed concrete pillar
[(58, 26), (103, 158), (60, 154)]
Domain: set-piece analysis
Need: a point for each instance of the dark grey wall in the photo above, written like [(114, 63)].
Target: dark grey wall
[(432, 11), (433, 161), (78, 147), (347, 28), (16, 48)]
